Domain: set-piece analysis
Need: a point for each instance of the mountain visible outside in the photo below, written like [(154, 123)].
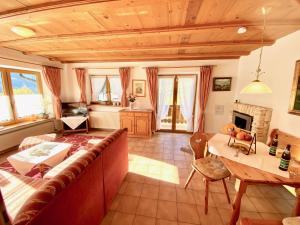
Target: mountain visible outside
[(28, 100), (24, 83), (21, 84)]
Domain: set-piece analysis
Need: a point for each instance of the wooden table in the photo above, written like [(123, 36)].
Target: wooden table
[(73, 124), (247, 175), (46, 153)]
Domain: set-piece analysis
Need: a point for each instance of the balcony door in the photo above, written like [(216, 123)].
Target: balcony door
[(176, 103)]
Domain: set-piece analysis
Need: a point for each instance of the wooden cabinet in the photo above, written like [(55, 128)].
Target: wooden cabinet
[(138, 123), (128, 122)]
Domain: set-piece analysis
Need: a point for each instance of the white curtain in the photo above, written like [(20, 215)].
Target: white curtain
[(165, 97), (115, 88), (97, 85), (186, 92)]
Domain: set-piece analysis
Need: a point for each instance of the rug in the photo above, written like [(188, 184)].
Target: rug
[(186, 149), (77, 141)]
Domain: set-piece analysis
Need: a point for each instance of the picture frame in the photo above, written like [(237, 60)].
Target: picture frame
[(294, 106), (139, 88), (221, 84)]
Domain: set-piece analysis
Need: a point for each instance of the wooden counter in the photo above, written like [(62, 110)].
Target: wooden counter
[(138, 122)]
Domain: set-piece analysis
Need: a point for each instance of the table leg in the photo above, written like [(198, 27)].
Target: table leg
[(297, 207), (241, 186)]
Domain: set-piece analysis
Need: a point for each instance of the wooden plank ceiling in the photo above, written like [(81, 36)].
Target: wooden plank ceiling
[(133, 30)]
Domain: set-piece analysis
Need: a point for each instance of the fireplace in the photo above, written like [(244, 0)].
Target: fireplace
[(257, 119), (242, 120)]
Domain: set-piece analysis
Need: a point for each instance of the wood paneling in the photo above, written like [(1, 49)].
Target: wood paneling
[(79, 30), (31, 7), (150, 48), (284, 139)]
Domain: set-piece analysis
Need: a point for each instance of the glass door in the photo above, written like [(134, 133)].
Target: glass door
[(186, 89), (176, 99), (165, 103)]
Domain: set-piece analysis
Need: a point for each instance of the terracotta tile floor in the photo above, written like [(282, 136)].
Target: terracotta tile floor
[(153, 194)]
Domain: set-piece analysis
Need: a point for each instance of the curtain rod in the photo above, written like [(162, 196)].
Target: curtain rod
[(99, 68), (38, 64), (160, 67), (175, 67)]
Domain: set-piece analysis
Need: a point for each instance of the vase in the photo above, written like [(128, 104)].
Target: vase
[(131, 105)]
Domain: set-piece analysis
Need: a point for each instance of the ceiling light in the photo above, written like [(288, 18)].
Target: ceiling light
[(257, 86), (242, 30), (23, 31)]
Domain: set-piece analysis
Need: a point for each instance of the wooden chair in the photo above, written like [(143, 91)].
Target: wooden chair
[(211, 168)]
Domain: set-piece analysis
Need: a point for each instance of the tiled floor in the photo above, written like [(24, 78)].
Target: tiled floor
[(153, 194), (153, 190)]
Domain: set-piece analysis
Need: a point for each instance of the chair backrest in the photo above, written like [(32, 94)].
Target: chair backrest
[(198, 144)]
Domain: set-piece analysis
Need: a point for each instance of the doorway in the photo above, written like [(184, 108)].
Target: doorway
[(176, 103)]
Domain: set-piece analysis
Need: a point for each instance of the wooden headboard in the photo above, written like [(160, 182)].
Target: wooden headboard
[(284, 139)]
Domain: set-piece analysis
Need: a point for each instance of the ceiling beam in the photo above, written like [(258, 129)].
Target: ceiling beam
[(192, 11), (214, 55), (90, 60), (47, 6), (142, 32), (149, 48)]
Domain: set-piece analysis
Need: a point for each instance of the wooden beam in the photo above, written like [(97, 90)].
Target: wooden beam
[(47, 6), (192, 11), (142, 32), (150, 47), (214, 55), (39, 64), (91, 60)]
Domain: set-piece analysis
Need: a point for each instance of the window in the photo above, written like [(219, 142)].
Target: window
[(20, 95), (106, 89)]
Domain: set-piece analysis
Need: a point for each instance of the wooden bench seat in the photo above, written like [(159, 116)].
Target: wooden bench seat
[(284, 139)]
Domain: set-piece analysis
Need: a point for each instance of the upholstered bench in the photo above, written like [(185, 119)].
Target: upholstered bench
[(81, 191), (64, 164), (16, 190), (93, 142)]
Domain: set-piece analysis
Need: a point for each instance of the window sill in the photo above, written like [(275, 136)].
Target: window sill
[(18, 126), (104, 108), (102, 104)]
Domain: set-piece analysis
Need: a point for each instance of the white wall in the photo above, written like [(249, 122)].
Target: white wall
[(10, 58), (14, 138), (279, 64), (70, 91)]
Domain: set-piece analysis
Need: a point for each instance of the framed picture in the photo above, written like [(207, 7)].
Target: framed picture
[(139, 88), (294, 107), (222, 83)]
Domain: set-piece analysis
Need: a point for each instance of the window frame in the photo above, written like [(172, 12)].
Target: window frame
[(109, 102), (8, 90)]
